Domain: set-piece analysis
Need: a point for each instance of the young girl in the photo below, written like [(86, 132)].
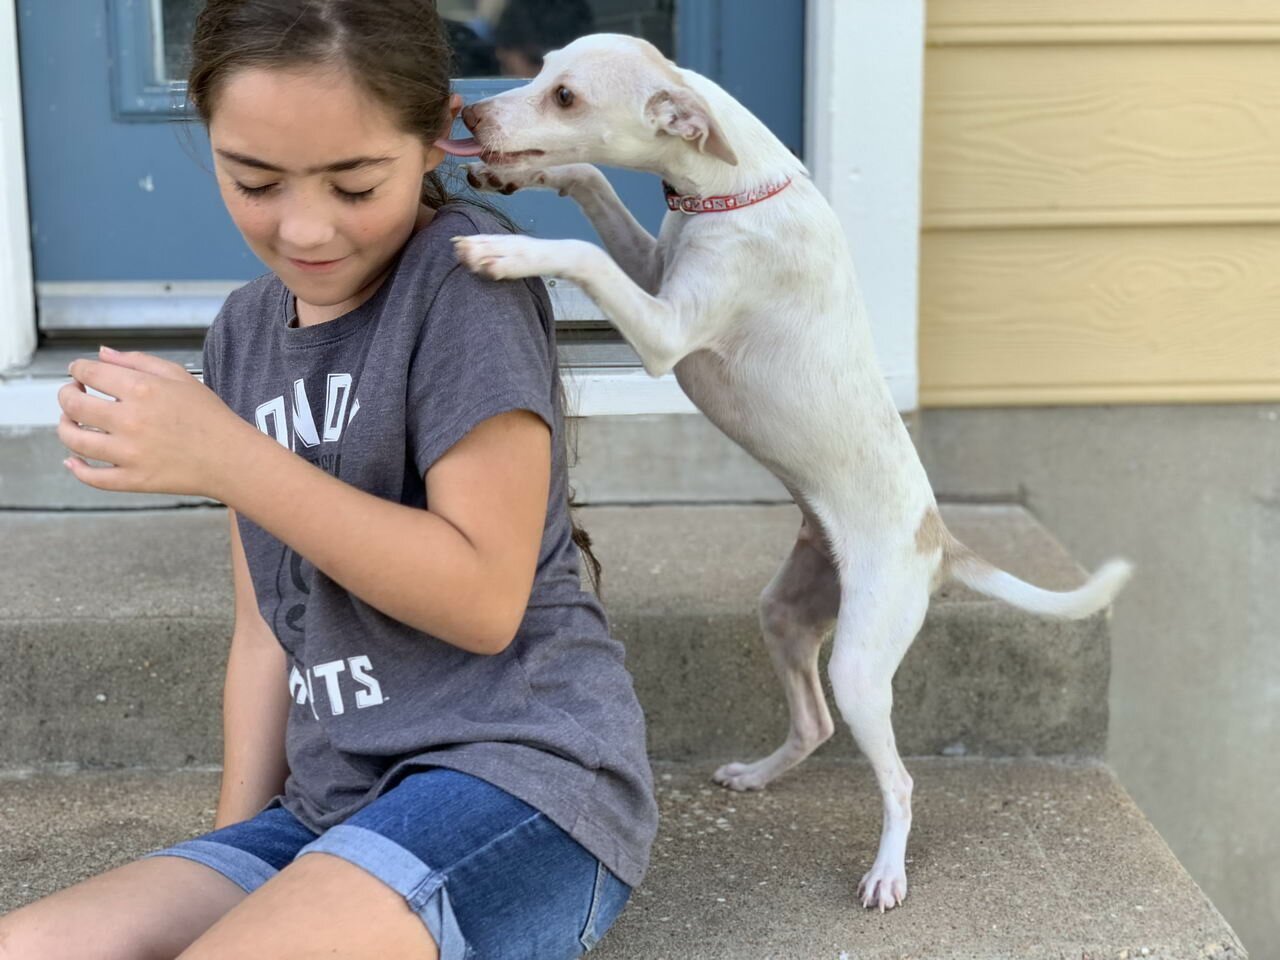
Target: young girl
[(418, 690)]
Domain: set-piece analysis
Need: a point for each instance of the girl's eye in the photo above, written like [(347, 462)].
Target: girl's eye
[(564, 96), (253, 191), (346, 195)]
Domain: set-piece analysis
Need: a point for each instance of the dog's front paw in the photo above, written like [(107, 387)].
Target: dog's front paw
[(484, 177), (498, 256), (883, 886), (507, 180)]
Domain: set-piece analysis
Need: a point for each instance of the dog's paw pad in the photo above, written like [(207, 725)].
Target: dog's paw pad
[(482, 177), (740, 776), (489, 180)]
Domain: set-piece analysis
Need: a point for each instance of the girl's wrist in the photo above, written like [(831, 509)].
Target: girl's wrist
[(234, 463)]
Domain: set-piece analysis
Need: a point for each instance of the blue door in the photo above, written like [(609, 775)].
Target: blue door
[(128, 230)]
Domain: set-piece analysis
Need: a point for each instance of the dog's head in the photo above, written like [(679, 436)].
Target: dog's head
[(605, 98)]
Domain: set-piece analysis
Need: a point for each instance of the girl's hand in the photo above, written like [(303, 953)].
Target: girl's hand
[(166, 432)]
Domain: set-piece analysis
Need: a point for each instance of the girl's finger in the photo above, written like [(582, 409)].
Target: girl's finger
[(88, 443), (146, 362), (89, 411), (101, 478), (107, 378)]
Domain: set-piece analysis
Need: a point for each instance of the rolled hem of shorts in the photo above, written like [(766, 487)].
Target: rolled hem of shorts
[(421, 886), (239, 866)]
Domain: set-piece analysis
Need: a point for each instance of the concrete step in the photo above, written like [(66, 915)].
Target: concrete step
[(114, 629), (1023, 859)]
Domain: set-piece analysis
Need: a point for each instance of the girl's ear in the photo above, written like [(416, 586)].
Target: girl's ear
[(435, 156), (455, 108)]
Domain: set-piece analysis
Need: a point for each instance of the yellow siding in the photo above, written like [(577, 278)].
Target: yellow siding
[(1101, 202)]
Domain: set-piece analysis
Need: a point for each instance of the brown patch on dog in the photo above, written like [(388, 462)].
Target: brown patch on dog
[(932, 534)]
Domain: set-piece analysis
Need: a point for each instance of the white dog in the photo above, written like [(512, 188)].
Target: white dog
[(749, 295)]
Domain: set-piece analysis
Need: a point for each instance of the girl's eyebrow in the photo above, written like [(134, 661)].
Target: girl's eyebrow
[(355, 163)]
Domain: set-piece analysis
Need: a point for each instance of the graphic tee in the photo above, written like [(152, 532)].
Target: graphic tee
[(375, 397)]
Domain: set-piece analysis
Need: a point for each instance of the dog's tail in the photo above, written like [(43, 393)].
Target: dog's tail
[(961, 563)]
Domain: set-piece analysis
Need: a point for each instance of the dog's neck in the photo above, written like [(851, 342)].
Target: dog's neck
[(762, 157)]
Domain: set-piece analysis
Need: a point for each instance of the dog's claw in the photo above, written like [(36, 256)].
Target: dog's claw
[(883, 887)]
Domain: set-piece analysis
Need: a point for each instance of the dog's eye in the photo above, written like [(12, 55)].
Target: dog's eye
[(564, 96)]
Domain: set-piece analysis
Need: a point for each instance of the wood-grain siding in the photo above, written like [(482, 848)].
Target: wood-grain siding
[(1101, 200)]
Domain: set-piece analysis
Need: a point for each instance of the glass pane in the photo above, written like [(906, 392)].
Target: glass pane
[(178, 23), (507, 38), (490, 38)]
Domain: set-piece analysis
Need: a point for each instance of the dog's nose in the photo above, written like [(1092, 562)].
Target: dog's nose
[(471, 116)]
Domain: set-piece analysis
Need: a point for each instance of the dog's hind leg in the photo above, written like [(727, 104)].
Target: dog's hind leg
[(879, 617), (797, 609)]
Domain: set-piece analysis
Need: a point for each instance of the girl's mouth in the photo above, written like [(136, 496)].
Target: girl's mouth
[(316, 266)]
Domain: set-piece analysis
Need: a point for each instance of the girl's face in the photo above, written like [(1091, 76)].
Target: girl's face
[(319, 179)]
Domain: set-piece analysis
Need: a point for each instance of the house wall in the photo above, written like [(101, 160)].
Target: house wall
[(1100, 202), (1190, 494)]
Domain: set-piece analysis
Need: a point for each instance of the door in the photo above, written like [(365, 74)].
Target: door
[(129, 233)]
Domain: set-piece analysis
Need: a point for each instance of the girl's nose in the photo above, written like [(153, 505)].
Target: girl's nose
[(303, 226)]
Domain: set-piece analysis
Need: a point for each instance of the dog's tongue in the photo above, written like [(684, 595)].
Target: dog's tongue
[(466, 147)]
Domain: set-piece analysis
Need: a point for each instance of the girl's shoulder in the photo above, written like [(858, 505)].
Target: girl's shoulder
[(249, 304), (428, 257), (454, 219), (255, 297), (473, 217)]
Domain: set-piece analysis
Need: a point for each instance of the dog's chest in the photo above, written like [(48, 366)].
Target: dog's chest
[(715, 385)]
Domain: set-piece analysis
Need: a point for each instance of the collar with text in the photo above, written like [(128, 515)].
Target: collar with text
[(694, 204)]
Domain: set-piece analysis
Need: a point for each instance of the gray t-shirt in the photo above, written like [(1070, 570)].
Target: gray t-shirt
[(374, 397)]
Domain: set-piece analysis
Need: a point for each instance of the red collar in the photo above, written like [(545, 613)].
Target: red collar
[(695, 204)]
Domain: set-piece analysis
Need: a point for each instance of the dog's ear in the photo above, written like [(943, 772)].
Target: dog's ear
[(680, 112)]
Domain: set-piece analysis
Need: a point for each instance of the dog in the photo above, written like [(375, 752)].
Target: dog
[(749, 295)]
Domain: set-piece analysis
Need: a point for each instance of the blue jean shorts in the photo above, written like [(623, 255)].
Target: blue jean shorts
[(491, 876)]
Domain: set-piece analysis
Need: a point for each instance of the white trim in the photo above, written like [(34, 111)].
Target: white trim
[(159, 73), (864, 91), (570, 301), (32, 402), (17, 302), (111, 305), (613, 393), (192, 304), (139, 289)]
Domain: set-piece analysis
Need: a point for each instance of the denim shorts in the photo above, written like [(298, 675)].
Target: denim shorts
[(491, 876)]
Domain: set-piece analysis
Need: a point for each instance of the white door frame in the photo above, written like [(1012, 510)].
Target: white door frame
[(864, 96), (17, 281)]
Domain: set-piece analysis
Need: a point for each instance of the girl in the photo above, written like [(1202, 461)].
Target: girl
[(432, 745)]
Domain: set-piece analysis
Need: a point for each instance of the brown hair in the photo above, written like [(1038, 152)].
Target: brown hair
[(396, 50)]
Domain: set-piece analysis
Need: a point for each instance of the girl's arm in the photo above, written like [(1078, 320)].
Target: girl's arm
[(255, 705), (255, 710), (461, 570)]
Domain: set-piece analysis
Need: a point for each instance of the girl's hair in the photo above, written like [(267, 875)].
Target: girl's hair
[(396, 50)]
